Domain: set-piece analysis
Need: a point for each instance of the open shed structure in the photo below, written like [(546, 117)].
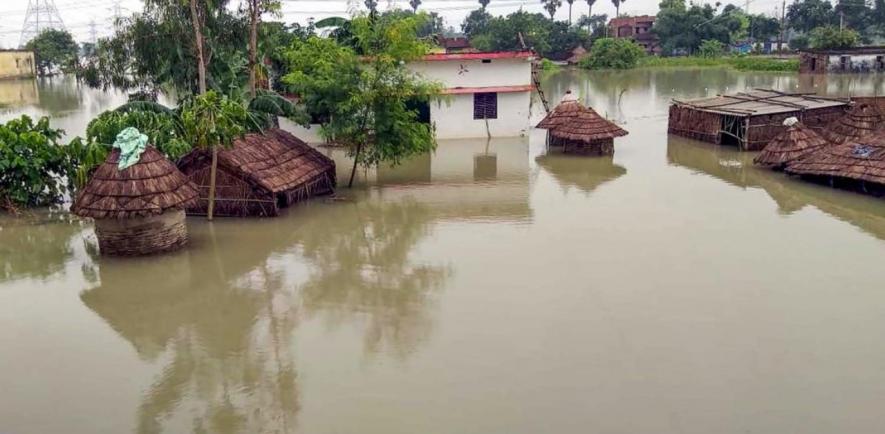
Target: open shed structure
[(750, 120), (259, 175)]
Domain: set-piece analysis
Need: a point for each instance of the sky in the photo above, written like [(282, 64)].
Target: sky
[(77, 14)]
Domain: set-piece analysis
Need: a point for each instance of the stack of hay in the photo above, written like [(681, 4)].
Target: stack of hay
[(861, 120), (856, 165), (580, 129), (796, 142), (138, 209)]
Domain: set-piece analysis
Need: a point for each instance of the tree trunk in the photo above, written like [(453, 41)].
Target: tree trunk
[(356, 160), (213, 171), (253, 44), (570, 14), (589, 14), (198, 42)]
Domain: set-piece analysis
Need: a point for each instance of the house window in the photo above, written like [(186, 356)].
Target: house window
[(880, 63), (486, 60), (485, 105), (845, 62)]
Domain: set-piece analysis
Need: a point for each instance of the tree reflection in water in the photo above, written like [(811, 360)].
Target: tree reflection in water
[(39, 243)]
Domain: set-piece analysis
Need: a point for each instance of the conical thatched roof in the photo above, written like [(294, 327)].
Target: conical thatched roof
[(862, 119), (149, 187), (862, 161), (571, 120), (794, 143)]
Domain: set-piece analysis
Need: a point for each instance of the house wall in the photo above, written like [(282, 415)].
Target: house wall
[(812, 63), (453, 117), (16, 64), (856, 62), (474, 73)]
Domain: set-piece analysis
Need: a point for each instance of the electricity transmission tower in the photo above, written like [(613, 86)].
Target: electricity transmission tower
[(41, 15)]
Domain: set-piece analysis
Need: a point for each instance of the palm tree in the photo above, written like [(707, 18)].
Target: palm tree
[(484, 3), (551, 6), (617, 4), (414, 4), (589, 12), (570, 2)]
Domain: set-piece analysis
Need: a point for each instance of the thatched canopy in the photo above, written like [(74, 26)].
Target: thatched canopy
[(794, 143), (276, 160), (149, 187), (863, 160), (572, 121), (861, 120)]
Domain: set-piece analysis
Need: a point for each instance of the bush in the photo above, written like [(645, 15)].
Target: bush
[(831, 37), (548, 65), (162, 128), (711, 48), (800, 42), (31, 163), (609, 53)]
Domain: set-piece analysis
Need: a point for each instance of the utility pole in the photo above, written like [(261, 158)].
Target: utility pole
[(92, 32), (841, 21), (41, 15)]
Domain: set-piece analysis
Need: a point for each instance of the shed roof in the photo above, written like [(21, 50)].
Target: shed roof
[(150, 186), (761, 102), (792, 144), (571, 120), (854, 50), (861, 161), (276, 160)]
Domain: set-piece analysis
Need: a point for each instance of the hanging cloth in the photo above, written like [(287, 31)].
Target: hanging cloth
[(131, 144)]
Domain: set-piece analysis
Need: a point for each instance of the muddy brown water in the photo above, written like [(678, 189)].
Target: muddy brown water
[(488, 288)]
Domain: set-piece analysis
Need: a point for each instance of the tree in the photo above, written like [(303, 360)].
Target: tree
[(484, 3), (831, 37), (414, 4), (570, 3), (763, 27), (366, 91), (54, 49), (31, 163), (476, 22), (255, 8), (551, 6), (372, 5), (681, 29), (806, 15), (711, 49), (613, 53), (590, 13), (595, 25), (617, 4), (210, 120)]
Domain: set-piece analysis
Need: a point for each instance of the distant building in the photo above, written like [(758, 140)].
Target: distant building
[(638, 29), (16, 64), (487, 93), (455, 44), (860, 59)]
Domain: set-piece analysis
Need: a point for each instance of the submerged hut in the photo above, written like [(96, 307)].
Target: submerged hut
[(854, 165), (750, 119), (794, 143), (259, 175), (138, 209), (861, 120), (580, 129)]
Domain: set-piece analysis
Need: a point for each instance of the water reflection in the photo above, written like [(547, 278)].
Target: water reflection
[(38, 244), (585, 174), (790, 194)]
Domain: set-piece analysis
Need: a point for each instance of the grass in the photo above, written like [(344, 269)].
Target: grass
[(740, 63)]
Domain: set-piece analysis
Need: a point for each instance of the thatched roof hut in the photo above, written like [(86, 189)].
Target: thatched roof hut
[(794, 143), (855, 165), (140, 209), (259, 175), (861, 120), (580, 129)]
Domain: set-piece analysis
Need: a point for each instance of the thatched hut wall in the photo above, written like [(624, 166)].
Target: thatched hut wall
[(694, 124), (762, 129), (234, 197), (131, 237), (596, 147)]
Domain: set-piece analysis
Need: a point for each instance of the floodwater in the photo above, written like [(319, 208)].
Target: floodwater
[(488, 288)]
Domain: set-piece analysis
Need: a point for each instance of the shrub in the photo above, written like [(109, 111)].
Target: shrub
[(31, 163), (831, 37), (548, 65), (162, 128), (711, 48), (609, 53)]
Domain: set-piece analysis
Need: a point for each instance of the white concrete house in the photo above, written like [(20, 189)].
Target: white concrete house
[(486, 93)]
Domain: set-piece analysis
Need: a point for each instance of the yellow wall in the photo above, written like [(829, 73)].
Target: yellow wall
[(16, 64)]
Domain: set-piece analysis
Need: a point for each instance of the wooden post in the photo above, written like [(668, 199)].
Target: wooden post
[(213, 171), (198, 42)]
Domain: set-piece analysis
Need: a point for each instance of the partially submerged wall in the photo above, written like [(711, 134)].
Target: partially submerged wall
[(16, 64), (694, 124)]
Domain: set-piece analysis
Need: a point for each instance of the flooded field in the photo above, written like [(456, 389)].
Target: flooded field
[(488, 288)]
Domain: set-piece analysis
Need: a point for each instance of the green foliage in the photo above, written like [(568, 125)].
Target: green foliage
[(831, 37), (805, 15), (611, 53), (31, 163), (476, 22), (800, 42), (595, 25), (551, 6), (548, 65), (551, 39), (54, 49), (160, 124), (711, 48), (84, 157), (212, 119), (682, 29), (366, 100)]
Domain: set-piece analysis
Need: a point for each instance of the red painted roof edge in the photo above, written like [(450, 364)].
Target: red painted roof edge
[(479, 56), (483, 89)]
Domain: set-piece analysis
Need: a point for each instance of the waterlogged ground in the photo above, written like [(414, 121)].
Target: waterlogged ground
[(489, 288)]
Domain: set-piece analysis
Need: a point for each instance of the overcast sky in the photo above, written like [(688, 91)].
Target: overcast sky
[(77, 14)]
